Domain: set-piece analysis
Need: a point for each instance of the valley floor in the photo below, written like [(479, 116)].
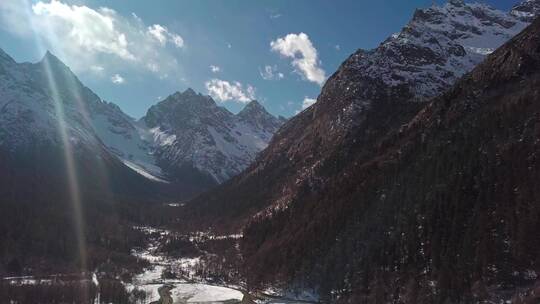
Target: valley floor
[(175, 278), (169, 278), (187, 279)]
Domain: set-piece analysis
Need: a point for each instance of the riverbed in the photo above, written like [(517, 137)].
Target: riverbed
[(190, 288), (184, 290)]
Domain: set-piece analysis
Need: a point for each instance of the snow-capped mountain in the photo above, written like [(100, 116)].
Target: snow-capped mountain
[(439, 45), (185, 138), (527, 10), (126, 138), (256, 116), (190, 132), (48, 140), (41, 99)]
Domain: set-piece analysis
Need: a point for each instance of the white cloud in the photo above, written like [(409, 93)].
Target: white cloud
[(159, 33), (304, 56), (162, 35), (275, 16), (215, 69), (152, 66), (136, 17), (117, 79), (222, 90), (338, 47), (270, 73), (97, 69), (177, 40), (85, 37), (307, 102), (91, 30)]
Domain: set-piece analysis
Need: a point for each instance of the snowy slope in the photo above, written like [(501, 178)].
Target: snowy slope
[(440, 44), (35, 102), (527, 10), (190, 131), (186, 130), (48, 138), (37, 98), (126, 138)]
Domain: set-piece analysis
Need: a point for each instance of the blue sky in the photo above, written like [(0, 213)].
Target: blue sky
[(135, 53)]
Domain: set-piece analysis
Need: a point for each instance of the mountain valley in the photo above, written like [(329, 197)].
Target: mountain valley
[(412, 179)]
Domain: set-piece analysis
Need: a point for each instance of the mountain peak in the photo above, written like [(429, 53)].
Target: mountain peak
[(191, 131), (254, 109), (181, 106), (254, 105), (53, 61), (434, 49), (526, 10), (189, 91), (256, 115), (48, 56), (189, 96)]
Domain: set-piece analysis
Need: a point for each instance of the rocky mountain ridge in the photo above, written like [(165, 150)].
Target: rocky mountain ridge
[(186, 138), (192, 132)]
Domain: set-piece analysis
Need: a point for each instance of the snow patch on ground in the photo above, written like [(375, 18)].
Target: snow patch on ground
[(162, 138), (200, 293), (143, 172), (182, 291)]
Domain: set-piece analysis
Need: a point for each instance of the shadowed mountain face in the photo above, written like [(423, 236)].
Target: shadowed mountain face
[(58, 183), (372, 196), (45, 121), (445, 210)]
